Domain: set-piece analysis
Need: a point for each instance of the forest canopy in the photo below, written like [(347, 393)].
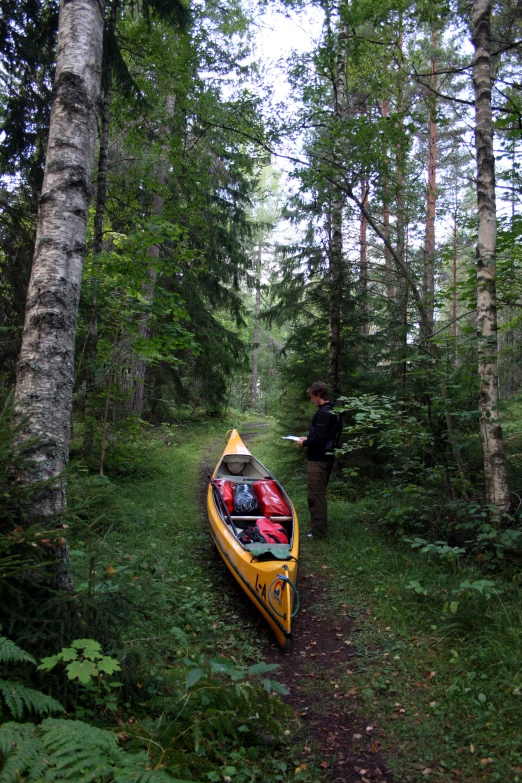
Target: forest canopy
[(195, 226)]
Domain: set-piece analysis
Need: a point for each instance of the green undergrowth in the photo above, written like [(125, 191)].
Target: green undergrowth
[(438, 638), (148, 646)]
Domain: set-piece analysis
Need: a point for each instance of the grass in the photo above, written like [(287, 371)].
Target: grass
[(153, 532), (439, 665), (156, 596)]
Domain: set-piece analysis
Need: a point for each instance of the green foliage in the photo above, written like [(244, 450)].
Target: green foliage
[(65, 749), (11, 653), (387, 424), (428, 639), (223, 711), (222, 665), (84, 661), (19, 698)]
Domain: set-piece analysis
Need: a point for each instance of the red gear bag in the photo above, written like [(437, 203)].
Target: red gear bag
[(226, 488), (270, 499), (272, 532)]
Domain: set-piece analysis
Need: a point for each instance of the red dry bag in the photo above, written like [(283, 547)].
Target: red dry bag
[(270, 499), (227, 493), (272, 532)]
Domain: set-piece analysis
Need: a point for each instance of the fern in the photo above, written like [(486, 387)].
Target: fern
[(19, 697), (68, 750), (11, 653)]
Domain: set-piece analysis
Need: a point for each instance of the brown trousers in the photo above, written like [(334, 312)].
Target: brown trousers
[(318, 474)]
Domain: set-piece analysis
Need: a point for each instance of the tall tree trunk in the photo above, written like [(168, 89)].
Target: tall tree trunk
[(336, 260), (91, 347), (454, 281), (336, 287), (401, 211), (495, 470), (257, 309), (428, 288), (363, 260), (388, 262), (144, 329), (45, 374)]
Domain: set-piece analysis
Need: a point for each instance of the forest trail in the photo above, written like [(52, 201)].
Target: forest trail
[(332, 735)]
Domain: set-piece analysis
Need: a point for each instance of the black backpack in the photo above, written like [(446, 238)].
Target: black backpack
[(336, 430)]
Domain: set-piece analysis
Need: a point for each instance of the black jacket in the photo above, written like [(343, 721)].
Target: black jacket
[(320, 432)]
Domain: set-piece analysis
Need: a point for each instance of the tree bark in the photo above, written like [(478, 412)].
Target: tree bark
[(144, 330), (401, 211), (388, 264), (335, 270), (454, 282), (91, 348), (495, 469), (428, 288), (257, 309), (335, 255), (45, 373), (363, 260)]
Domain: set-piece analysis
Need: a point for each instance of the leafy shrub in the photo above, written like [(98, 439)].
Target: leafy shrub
[(218, 704), (58, 749), (221, 713)]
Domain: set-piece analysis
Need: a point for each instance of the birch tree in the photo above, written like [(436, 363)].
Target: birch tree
[(495, 470), (45, 373)]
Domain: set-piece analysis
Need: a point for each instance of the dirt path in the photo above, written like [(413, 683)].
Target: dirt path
[(332, 735)]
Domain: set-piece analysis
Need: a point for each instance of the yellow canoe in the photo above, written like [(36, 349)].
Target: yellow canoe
[(266, 572)]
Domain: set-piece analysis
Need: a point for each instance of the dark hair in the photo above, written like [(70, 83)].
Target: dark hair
[(318, 389)]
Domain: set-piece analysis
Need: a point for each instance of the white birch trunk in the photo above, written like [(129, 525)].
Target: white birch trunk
[(495, 470), (43, 396)]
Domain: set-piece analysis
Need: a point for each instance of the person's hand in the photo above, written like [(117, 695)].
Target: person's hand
[(300, 442)]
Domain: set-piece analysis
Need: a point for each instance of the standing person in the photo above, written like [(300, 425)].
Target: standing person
[(323, 434)]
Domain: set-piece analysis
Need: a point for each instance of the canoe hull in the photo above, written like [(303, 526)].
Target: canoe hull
[(271, 584)]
